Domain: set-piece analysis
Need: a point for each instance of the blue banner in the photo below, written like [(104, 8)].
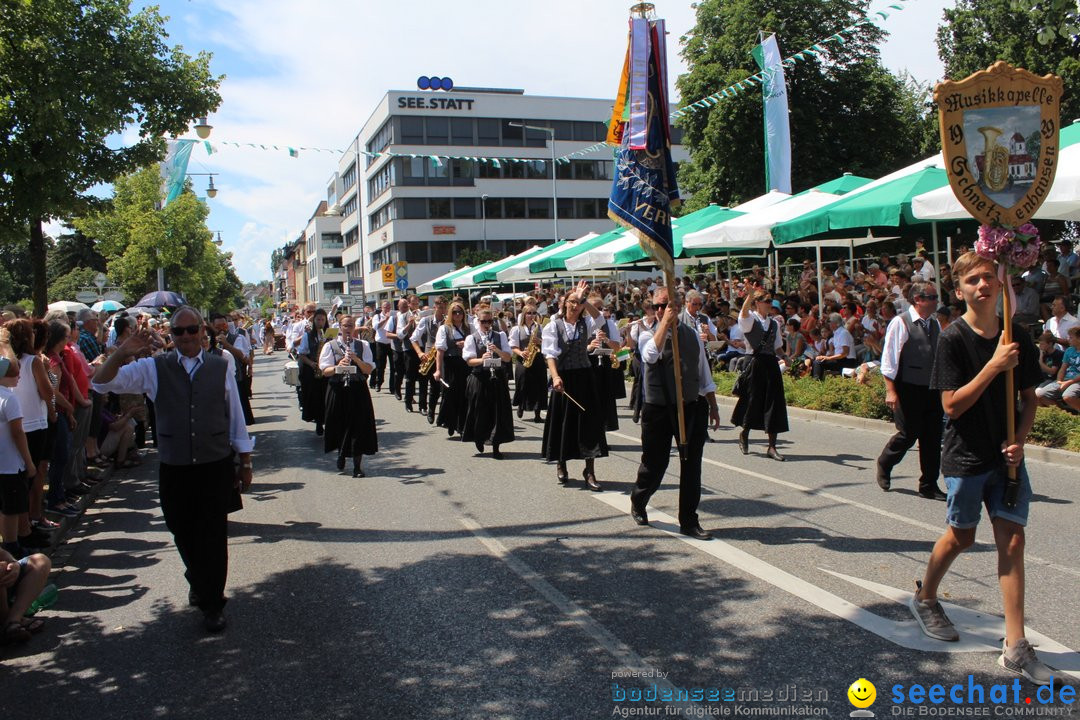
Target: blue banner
[(174, 169)]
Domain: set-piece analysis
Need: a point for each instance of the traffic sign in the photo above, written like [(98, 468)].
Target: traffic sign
[(402, 284), (87, 296), (100, 280), (388, 274), (114, 295)]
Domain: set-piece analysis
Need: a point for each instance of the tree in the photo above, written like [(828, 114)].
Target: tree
[(471, 258), (978, 33), (67, 285), (73, 75), (136, 238), (847, 112), (74, 250), (16, 273)]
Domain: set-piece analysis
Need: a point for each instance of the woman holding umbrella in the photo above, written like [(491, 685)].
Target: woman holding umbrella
[(350, 417)]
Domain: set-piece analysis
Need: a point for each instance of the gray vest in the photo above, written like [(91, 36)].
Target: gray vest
[(481, 348), (452, 337), (192, 414), (759, 341), (917, 353), (660, 376), (573, 354)]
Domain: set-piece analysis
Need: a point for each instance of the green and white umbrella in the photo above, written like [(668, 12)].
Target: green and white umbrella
[(465, 279), (556, 262), (442, 282), (519, 271), (488, 274)]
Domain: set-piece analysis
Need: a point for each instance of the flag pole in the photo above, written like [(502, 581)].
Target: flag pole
[(674, 331)]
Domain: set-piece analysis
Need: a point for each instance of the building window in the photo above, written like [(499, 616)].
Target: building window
[(514, 207), (463, 171), (461, 131), (380, 217), (331, 241), (352, 237), (412, 171), (441, 251), (487, 132), (537, 170), (566, 208), (536, 138), (676, 135), (412, 130), (381, 181), (348, 178), (464, 208), (439, 208), (349, 207), (334, 288), (565, 171), (438, 130), (539, 208), (438, 172), (584, 169), (493, 208), (414, 209), (564, 129), (585, 208), (511, 135), (416, 252)]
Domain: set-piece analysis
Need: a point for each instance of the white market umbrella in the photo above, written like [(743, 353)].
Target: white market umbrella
[(603, 256), (519, 271), (770, 198), (754, 229), (107, 306), (441, 282), (68, 306), (1062, 202)]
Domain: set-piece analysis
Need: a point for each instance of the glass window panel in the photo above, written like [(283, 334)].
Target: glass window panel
[(463, 171), (676, 135), (537, 170), (585, 169), (514, 170), (599, 131), (511, 136), (536, 138), (487, 131), (565, 171), (438, 174), (585, 208), (441, 250), (465, 207), (412, 171), (583, 131), (564, 129), (412, 130), (439, 208), (414, 208), (416, 252), (539, 208), (438, 131), (566, 208), (514, 207), (493, 207), (462, 245), (461, 131)]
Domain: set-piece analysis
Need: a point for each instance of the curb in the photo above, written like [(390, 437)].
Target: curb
[(68, 524), (1038, 453)]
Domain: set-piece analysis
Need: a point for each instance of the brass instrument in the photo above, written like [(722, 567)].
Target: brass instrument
[(529, 357), (427, 361)]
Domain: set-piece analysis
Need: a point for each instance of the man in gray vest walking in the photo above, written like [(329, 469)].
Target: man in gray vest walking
[(907, 358), (200, 426), (659, 418)]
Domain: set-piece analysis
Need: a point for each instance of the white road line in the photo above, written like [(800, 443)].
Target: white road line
[(979, 632), (625, 657), (936, 530)]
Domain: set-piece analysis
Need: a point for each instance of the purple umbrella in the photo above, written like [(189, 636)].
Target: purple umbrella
[(161, 298)]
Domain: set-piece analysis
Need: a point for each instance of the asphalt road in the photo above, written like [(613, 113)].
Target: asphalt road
[(446, 585)]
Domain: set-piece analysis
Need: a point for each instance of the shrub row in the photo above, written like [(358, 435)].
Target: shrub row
[(1053, 427)]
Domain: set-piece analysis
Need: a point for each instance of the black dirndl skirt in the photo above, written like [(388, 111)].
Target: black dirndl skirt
[(452, 408), (569, 433), (531, 385), (762, 405), (350, 419), (488, 417), (617, 379), (605, 389), (313, 393)]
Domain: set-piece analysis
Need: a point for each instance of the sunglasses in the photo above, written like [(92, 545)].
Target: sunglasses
[(929, 297), (530, 312), (181, 330), (458, 312), (659, 306)]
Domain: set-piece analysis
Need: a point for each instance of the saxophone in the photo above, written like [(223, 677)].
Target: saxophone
[(427, 361), (531, 351)]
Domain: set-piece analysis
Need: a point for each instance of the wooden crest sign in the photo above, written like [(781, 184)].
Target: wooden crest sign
[(999, 136)]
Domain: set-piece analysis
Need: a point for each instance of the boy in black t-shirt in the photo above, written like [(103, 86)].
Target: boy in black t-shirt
[(969, 371)]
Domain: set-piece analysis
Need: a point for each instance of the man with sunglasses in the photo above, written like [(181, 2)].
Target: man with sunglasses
[(200, 425), (907, 359)]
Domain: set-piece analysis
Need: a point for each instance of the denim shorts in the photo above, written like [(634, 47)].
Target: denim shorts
[(968, 494)]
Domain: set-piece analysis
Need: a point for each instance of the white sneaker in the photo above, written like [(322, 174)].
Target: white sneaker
[(1022, 660)]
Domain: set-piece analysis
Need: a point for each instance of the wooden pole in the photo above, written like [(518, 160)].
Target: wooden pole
[(937, 262), (677, 363), (1010, 388)]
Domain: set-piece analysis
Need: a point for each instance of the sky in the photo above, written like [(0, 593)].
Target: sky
[(309, 75)]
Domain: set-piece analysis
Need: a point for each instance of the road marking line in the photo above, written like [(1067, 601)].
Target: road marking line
[(979, 631), (626, 658), (935, 529)]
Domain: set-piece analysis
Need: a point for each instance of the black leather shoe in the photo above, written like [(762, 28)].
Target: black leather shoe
[(340, 462), (640, 516), (884, 480), (495, 453), (932, 493), (423, 410), (695, 532), (408, 407), (319, 429), (560, 474), (592, 482), (520, 412), (744, 443), (479, 447), (537, 418), (430, 419), (772, 452), (357, 471), (192, 599), (214, 622)]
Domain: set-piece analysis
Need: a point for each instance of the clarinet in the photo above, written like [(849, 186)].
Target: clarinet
[(347, 352), (487, 344)]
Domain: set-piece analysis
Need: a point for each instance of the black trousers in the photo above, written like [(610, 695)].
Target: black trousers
[(918, 418), (243, 385), (397, 370), (432, 390), (382, 353), (820, 367), (195, 501), (412, 376), (659, 426)]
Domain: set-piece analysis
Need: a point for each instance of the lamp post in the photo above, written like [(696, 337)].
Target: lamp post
[(483, 218), (554, 185), (211, 191)]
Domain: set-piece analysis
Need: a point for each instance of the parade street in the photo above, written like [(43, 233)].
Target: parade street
[(450, 585)]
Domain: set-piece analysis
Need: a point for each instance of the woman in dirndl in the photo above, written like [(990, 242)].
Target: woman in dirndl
[(312, 381), (350, 417), (761, 404), (574, 427), (488, 417), (530, 383), (451, 369)]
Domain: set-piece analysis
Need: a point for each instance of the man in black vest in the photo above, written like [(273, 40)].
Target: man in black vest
[(200, 427), (907, 358), (659, 418), (230, 340)]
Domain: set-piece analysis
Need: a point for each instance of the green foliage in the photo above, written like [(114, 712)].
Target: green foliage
[(135, 238), (1053, 427), (16, 271), (71, 282), (472, 258), (978, 33), (73, 250), (72, 75), (879, 111)]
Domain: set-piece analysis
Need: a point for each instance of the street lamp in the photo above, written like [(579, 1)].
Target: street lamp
[(218, 240), (483, 218), (203, 128), (554, 186), (211, 191)]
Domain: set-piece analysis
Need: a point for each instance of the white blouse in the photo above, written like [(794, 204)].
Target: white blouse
[(471, 352), (333, 351), (519, 336), (441, 341), (550, 340)]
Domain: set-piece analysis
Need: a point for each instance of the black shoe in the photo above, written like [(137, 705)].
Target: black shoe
[(495, 452), (357, 471), (408, 407), (884, 479), (340, 462), (423, 410), (479, 446), (192, 598), (695, 532), (744, 444), (318, 429), (771, 452), (592, 482), (214, 621), (449, 432), (932, 492), (561, 474), (430, 419), (397, 395), (537, 418), (640, 516), (520, 412)]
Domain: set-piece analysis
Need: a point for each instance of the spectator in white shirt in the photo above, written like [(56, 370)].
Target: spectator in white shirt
[(843, 350), (1060, 321)]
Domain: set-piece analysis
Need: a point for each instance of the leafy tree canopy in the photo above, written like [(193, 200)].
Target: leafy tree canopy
[(847, 112), (67, 285), (472, 258)]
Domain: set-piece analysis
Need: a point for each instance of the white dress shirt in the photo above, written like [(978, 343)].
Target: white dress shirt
[(381, 327), (549, 341), (841, 338), (333, 351), (471, 352), (650, 354), (1060, 328), (746, 324), (895, 337), (140, 378)]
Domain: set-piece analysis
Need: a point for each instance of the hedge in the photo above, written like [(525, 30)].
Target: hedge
[(1053, 427)]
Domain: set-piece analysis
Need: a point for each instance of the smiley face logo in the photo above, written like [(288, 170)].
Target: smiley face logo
[(862, 693)]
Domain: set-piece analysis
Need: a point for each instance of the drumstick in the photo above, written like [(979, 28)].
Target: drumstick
[(571, 399)]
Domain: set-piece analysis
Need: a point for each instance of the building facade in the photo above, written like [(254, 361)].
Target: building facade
[(407, 206), (322, 250)]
